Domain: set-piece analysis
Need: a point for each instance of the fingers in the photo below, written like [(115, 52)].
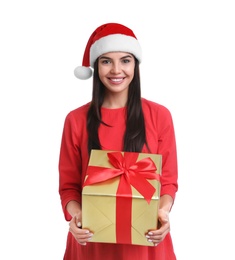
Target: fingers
[(79, 224), (81, 235), (156, 236)]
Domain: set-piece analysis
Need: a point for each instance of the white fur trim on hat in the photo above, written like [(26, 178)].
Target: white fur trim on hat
[(113, 43)]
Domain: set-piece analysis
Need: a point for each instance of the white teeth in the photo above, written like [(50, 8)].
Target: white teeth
[(116, 80)]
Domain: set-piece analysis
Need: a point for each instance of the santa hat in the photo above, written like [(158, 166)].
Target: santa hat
[(108, 37)]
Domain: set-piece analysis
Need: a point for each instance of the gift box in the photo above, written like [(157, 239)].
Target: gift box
[(120, 196)]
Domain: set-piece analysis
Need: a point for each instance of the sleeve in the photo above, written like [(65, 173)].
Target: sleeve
[(167, 147), (69, 165)]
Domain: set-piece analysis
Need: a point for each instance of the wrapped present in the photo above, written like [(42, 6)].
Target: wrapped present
[(120, 196)]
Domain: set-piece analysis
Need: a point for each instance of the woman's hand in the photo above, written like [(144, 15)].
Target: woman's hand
[(75, 225), (81, 235), (156, 236)]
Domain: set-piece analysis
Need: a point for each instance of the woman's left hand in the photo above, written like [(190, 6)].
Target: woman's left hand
[(156, 236)]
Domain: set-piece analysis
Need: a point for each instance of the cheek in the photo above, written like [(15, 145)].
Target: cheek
[(102, 76), (130, 70), (130, 73), (102, 71)]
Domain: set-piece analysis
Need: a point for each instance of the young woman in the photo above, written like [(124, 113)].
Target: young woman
[(117, 118)]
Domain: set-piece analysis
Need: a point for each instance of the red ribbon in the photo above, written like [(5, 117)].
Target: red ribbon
[(132, 173)]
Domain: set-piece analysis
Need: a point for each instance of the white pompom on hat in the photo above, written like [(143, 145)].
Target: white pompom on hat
[(108, 37)]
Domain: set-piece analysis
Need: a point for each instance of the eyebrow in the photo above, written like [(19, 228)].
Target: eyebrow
[(124, 57)]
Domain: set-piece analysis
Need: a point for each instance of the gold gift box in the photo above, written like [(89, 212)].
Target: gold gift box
[(99, 204)]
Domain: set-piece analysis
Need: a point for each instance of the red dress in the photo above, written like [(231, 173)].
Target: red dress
[(73, 162)]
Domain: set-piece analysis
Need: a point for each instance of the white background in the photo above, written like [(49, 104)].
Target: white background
[(188, 66)]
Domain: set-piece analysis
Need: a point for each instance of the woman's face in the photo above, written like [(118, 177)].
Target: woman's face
[(116, 70)]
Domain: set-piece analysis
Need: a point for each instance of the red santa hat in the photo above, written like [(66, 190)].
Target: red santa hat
[(108, 37)]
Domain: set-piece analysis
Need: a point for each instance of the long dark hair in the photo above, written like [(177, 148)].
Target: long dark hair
[(135, 135)]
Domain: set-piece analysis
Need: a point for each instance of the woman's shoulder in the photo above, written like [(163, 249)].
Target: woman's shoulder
[(78, 114), (80, 111), (152, 106), (155, 112)]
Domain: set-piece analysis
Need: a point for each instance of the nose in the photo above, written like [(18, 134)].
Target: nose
[(116, 68)]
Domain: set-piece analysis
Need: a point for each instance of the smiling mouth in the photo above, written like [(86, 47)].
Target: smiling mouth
[(116, 80)]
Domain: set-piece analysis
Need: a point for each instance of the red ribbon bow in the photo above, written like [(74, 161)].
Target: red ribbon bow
[(131, 172)]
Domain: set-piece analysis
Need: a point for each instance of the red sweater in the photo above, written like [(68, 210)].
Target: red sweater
[(73, 162)]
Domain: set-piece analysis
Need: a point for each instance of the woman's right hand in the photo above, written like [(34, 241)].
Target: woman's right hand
[(81, 235)]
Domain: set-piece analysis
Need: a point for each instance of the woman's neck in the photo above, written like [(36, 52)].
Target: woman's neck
[(114, 101)]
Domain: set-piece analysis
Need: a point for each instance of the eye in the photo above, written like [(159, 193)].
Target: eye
[(126, 60), (105, 61)]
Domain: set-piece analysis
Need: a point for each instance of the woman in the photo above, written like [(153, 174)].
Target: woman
[(117, 118)]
